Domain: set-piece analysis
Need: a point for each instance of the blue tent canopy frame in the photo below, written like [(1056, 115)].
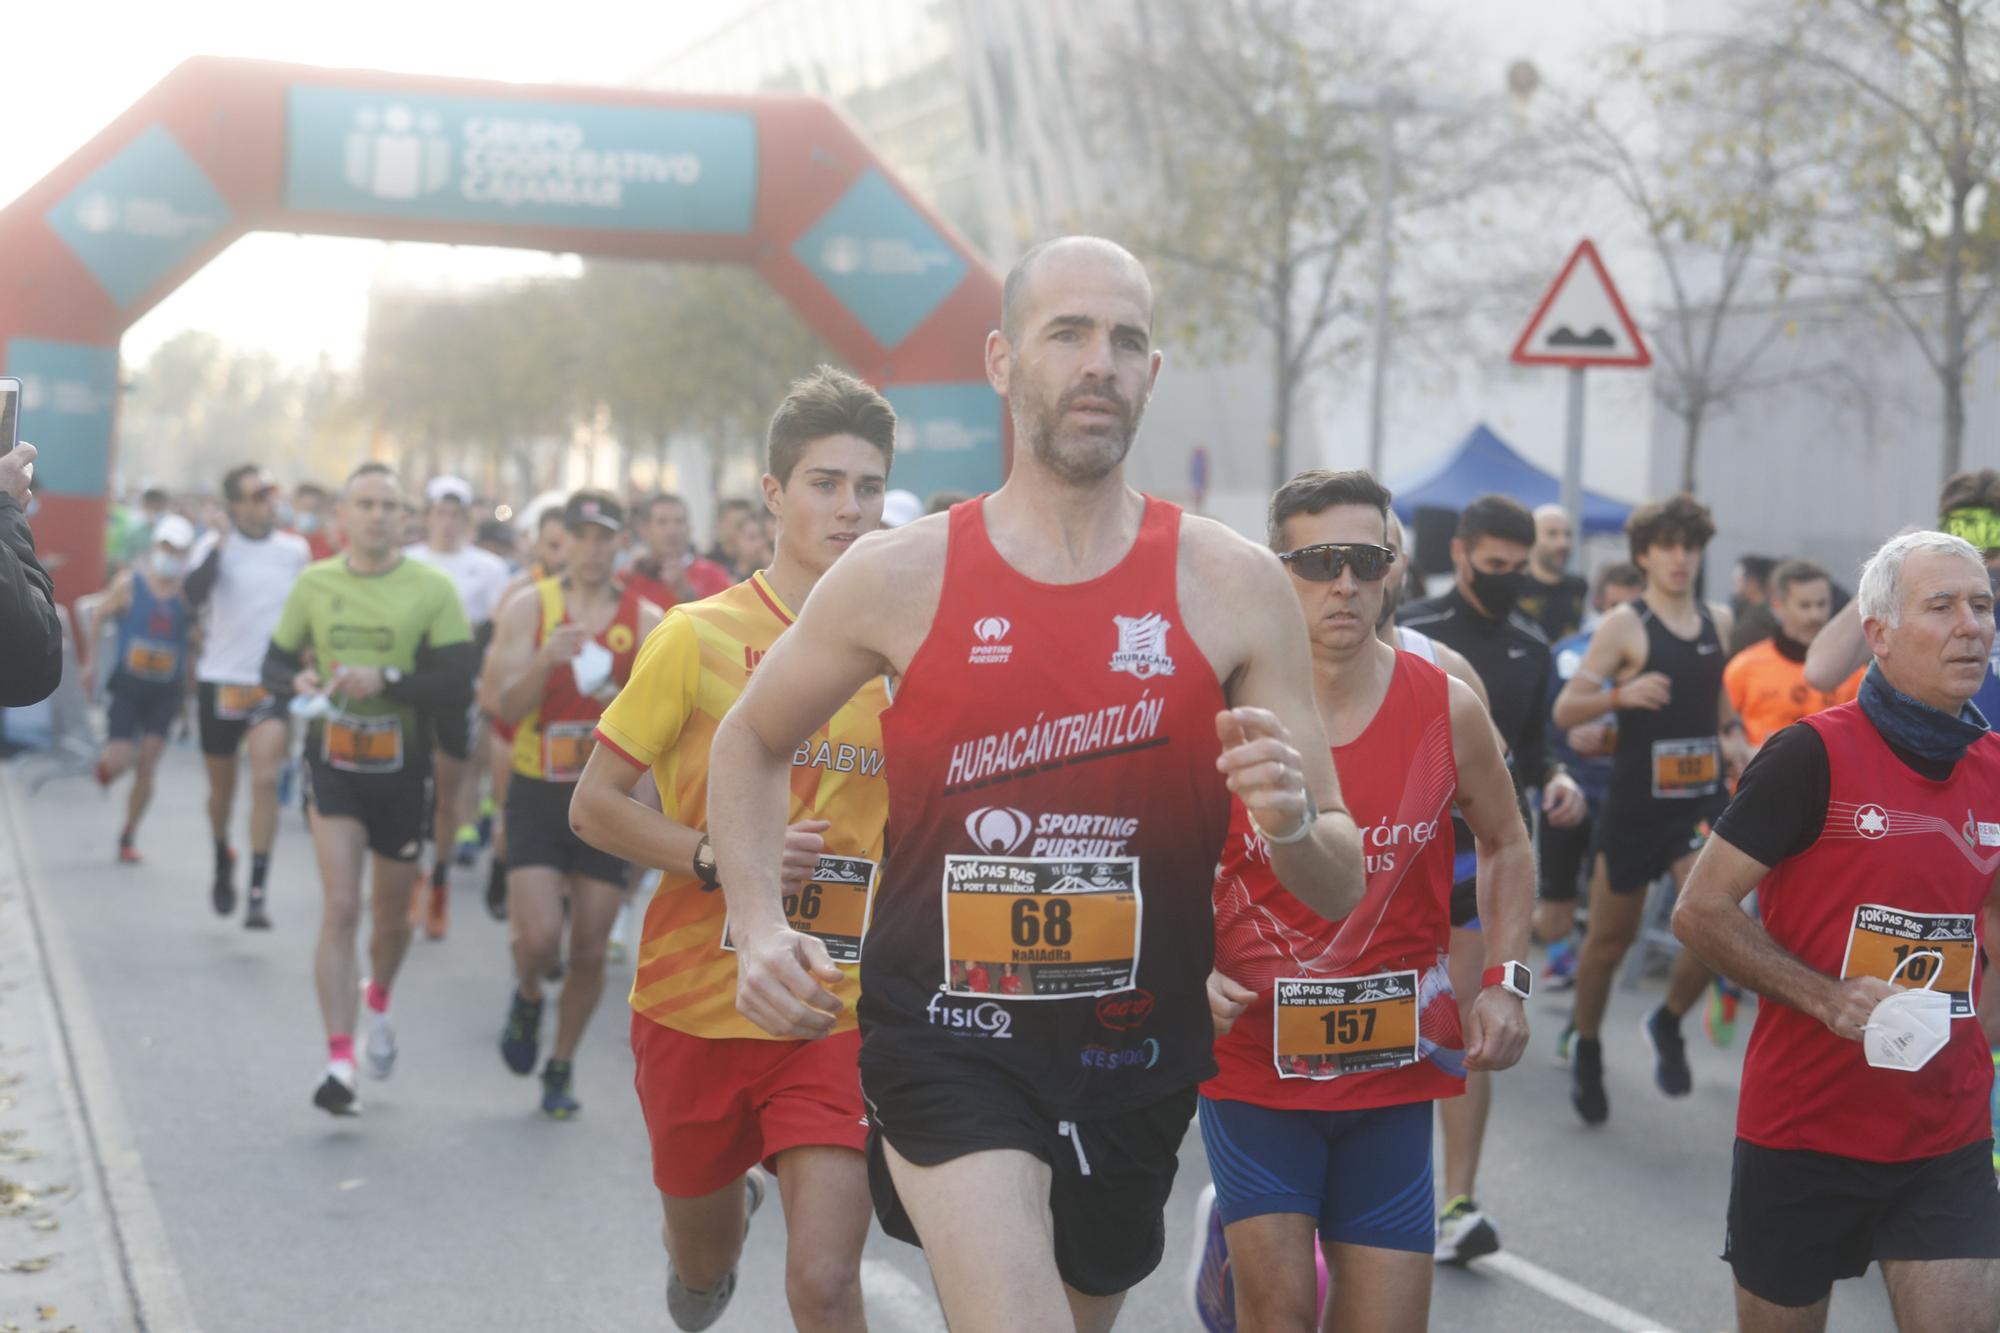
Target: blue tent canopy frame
[(1486, 464)]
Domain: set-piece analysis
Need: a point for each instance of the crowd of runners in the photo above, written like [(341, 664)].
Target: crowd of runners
[(1197, 830)]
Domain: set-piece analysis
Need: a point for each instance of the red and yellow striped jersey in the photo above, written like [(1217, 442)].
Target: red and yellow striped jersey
[(690, 672)]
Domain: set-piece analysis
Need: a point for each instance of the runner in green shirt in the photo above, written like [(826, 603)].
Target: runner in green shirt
[(371, 646)]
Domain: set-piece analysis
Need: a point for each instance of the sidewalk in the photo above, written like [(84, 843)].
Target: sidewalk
[(81, 1246)]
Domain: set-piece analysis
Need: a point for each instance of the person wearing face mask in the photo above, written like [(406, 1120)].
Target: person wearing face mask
[(1678, 739), (1477, 616), (1871, 832), (148, 605), (309, 506)]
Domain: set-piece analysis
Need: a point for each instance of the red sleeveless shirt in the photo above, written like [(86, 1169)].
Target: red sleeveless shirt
[(1055, 815), (552, 740), (1903, 863), (1398, 778)]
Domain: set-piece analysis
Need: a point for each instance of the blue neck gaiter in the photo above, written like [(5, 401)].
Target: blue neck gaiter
[(1917, 727)]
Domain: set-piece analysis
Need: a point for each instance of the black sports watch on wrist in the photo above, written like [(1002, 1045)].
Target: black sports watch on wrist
[(704, 862)]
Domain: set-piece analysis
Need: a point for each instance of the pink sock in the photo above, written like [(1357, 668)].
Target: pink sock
[(341, 1048), (378, 996)]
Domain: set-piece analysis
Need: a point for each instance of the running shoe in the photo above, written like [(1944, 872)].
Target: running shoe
[(1563, 1040), (222, 894), (1586, 1080), (1670, 1056), (437, 910), (496, 889), (336, 1093), (128, 855), (1559, 973), (488, 812), (379, 1051), (287, 776), (520, 1039), (1211, 1286), (558, 1100), (693, 1310), (254, 915), (467, 848), (1718, 1017), (621, 933), (1464, 1234)]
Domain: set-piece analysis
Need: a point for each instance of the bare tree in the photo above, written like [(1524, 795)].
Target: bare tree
[(1904, 101), (1264, 169)]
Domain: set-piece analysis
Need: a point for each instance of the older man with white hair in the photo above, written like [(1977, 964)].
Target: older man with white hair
[(1873, 829)]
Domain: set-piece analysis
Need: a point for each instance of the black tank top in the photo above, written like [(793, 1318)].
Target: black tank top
[(1669, 755)]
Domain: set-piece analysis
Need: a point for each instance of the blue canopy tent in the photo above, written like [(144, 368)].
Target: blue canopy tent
[(1486, 464)]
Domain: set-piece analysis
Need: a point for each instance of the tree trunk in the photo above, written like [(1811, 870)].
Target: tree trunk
[(1961, 179), (1690, 445), (1283, 384)]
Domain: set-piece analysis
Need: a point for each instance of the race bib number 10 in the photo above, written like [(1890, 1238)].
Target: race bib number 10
[(1883, 937), (1054, 928), (834, 907), (1344, 1025)]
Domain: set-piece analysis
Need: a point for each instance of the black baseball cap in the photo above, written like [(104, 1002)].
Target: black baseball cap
[(599, 507)]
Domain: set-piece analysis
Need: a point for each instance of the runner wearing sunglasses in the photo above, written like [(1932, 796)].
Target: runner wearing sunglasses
[(1339, 1034)]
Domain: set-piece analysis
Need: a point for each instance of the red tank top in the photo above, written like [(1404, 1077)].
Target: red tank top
[(1055, 815), (1903, 863), (553, 740), (1398, 778)]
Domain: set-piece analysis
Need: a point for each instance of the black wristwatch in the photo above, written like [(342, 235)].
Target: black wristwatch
[(704, 862)]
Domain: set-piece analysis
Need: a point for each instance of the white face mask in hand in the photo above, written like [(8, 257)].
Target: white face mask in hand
[(592, 667), (1909, 1027)]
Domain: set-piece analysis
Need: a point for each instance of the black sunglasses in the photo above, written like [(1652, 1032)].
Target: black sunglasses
[(1323, 563)]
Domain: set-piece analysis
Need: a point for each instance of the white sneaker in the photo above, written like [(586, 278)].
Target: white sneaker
[(621, 933), (379, 1051), (336, 1094)]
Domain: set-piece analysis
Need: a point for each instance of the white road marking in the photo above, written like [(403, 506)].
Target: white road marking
[(1558, 1288), (897, 1301)]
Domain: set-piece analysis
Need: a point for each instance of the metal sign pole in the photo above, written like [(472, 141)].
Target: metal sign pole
[(1572, 479)]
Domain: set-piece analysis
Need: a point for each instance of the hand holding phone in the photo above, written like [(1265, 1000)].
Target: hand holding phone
[(17, 469)]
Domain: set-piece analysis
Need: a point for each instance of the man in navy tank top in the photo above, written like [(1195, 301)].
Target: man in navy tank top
[(1657, 664), (147, 604), (1871, 832), (1083, 676)]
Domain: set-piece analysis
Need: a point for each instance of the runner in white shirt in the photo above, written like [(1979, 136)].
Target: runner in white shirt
[(480, 577), (241, 577)]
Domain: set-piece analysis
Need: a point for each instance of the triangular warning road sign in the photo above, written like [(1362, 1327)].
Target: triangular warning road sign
[(1581, 321)]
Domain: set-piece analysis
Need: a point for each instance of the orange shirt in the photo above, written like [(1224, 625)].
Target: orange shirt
[(1769, 691), (690, 671)]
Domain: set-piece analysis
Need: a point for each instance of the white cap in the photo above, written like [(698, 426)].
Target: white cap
[(449, 488), (900, 507), (174, 531)]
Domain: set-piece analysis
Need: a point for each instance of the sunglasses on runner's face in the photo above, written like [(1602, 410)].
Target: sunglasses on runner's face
[(1323, 563)]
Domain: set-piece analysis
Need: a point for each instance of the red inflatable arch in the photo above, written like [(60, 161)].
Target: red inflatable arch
[(224, 147)]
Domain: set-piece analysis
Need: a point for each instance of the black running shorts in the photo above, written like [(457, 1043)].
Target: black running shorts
[(395, 808), (1564, 859), (222, 737), (1112, 1176), (1640, 846), (1798, 1221), (538, 833)]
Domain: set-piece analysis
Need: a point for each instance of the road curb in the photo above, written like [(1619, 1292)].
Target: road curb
[(153, 1297)]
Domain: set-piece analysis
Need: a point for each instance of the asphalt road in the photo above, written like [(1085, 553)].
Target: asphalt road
[(454, 1205)]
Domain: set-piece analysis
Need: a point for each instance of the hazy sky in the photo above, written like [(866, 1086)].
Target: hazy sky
[(63, 81)]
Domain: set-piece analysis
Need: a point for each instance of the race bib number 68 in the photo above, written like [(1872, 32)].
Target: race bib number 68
[(1055, 928)]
